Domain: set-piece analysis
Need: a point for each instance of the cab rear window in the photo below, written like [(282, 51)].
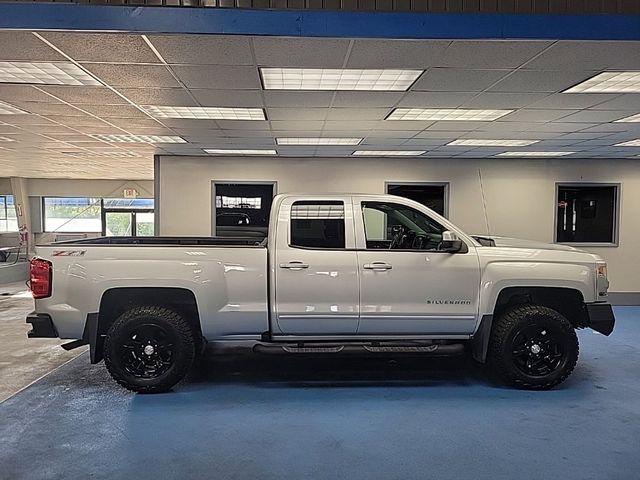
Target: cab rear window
[(317, 224)]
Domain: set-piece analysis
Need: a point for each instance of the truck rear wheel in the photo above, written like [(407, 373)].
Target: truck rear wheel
[(533, 347), (149, 349)]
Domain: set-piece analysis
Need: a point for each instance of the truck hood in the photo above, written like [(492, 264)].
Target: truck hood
[(495, 241)]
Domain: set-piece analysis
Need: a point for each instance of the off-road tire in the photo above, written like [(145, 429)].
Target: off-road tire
[(501, 344), (176, 328)]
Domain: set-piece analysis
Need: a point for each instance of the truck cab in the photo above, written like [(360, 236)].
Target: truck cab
[(337, 273)]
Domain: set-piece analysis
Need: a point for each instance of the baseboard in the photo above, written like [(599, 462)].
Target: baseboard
[(624, 298)]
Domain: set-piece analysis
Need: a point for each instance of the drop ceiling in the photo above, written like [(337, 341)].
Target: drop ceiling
[(69, 130)]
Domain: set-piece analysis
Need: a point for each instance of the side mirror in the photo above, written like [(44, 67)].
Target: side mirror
[(450, 243)]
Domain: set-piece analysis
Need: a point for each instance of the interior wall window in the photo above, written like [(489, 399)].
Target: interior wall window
[(318, 224), (587, 214), (242, 209), (390, 226), (72, 214), (126, 217), (8, 216), (431, 195)]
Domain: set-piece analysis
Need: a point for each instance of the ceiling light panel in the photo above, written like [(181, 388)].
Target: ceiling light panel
[(6, 109), (631, 119), (6, 139), (388, 153), (206, 113), (609, 82), (45, 73), (630, 143), (139, 138), (534, 154), (222, 151), (317, 141), (491, 143), (446, 114), (338, 79), (114, 154)]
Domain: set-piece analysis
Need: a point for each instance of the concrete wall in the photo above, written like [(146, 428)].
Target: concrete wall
[(519, 194)]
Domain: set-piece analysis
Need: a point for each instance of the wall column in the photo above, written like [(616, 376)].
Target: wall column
[(19, 188)]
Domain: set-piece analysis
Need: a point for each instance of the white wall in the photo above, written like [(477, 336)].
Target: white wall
[(519, 194)]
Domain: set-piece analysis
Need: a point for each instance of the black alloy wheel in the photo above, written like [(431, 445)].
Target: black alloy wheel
[(533, 347), (149, 349)]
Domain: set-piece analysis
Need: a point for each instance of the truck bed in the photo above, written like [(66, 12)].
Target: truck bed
[(169, 241)]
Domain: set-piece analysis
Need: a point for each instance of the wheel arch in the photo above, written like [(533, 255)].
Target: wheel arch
[(567, 301), (116, 301)]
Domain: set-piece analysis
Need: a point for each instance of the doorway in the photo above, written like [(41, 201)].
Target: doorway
[(432, 195), (241, 209), (128, 218)]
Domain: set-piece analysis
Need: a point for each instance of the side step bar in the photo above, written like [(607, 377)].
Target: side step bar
[(432, 349)]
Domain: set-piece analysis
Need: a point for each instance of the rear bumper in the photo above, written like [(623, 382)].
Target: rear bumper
[(600, 317), (42, 326)]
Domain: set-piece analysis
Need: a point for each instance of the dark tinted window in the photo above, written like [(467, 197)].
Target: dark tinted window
[(431, 196), (586, 214), (317, 224)]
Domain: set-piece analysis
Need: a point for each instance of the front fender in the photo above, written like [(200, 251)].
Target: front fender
[(497, 276)]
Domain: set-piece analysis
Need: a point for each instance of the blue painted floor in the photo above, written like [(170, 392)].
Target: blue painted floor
[(279, 418)]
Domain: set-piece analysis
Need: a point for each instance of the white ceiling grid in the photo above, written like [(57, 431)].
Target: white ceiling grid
[(128, 89)]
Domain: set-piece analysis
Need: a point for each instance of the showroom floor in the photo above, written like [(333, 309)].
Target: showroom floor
[(274, 418), (22, 360)]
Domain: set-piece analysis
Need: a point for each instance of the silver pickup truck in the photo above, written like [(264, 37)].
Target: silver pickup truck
[(375, 274)]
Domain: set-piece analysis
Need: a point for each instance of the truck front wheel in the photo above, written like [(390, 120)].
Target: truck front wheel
[(149, 349), (533, 347)]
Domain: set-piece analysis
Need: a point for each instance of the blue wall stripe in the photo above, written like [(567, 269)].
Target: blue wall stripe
[(317, 23)]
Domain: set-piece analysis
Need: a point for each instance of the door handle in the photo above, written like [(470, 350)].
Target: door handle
[(295, 265), (377, 266)]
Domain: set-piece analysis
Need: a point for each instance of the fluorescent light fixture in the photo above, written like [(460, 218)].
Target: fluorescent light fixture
[(338, 79), (7, 139), (6, 109), (534, 154), (630, 143), (139, 138), (609, 82), (231, 151), (447, 114), (491, 143), (206, 113), (45, 73), (317, 141), (631, 119), (388, 153)]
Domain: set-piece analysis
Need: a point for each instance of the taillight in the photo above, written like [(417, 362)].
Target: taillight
[(40, 278)]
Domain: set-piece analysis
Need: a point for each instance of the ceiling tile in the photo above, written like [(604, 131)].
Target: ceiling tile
[(84, 120), (589, 55), (109, 111), (24, 93), (627, 101), (297, 113), (535, 115), (596, 116), (136, 76), (218, 77), (300, 52), (227, 98), (497, 54), (435, 99), (418, 54), (85, 95), (102, 47), (358, 113), (528, 81), (25, 46), (173, 97), (366, 99), (297, 99), (503, 100), (293, 125), (573, 101), (42, 108), (203, 49), (457, 80)]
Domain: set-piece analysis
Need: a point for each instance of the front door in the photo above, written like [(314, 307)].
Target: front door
[(408, 286), (316, 268)]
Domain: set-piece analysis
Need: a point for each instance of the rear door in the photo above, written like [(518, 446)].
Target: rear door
[(316, 268), (408, 286)]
